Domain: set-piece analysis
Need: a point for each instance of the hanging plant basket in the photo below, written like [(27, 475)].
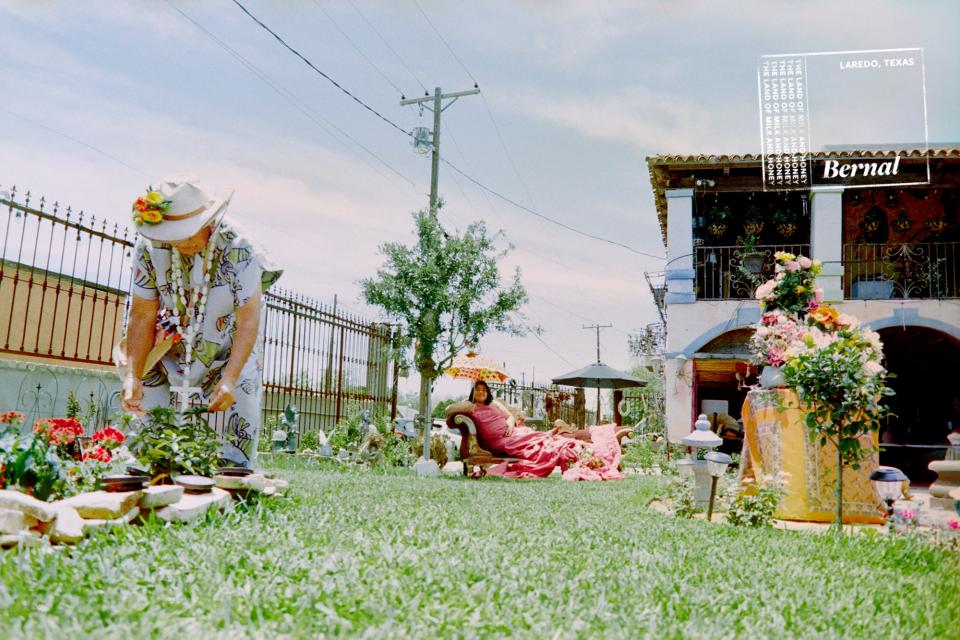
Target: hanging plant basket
[(874, 225), (718, 229), (902, 223), (753, 228), (786, 229), (935, 225)]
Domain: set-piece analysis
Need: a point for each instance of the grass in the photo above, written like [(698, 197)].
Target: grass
[(386, 555)]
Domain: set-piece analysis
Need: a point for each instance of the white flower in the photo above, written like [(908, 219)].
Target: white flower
[(848, 320), (871, 369), (873, 338), (765, 289)]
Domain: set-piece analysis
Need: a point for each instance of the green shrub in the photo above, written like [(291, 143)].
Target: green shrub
[(29, 464), (640, 453), (310, 440), (755, 507), (348, 434), (680, 498)]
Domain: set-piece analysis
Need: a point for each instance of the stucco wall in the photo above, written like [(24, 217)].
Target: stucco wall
[(40, 390)]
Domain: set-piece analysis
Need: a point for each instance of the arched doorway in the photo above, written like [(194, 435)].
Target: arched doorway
[(924, 362), (722, 374)]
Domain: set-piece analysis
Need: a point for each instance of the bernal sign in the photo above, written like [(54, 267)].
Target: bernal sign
[(851, 168)]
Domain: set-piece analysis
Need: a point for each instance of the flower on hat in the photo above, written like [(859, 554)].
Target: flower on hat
[(149, 208)]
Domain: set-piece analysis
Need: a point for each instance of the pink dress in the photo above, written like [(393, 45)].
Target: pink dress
[(540, 452)]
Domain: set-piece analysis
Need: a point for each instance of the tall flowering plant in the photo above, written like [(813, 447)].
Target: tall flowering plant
[(785, 299), (834, 364)]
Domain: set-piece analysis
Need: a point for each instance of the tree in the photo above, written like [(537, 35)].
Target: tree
[(440, 410), (445, 291)]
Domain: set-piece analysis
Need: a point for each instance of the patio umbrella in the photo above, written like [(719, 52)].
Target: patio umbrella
[(599, 376), (474, 367)]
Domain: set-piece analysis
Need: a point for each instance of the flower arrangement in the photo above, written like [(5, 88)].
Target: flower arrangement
[(773, 337), (839, 377), (833, 362), (149, 208), (793, 288)]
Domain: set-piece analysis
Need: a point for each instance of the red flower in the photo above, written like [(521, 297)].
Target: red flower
[(12, 417), (109, 437), (43, 425), (59, 431), (98, 453)]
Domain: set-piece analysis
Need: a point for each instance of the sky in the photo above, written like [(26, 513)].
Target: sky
[(102, 98)]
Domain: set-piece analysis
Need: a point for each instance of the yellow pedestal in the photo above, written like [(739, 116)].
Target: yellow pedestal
[(777, 439)]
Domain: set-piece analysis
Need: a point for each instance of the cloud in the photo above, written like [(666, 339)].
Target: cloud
[(646, 119)]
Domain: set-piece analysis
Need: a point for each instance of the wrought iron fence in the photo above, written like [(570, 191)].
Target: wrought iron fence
[(731, 273), (64, 278), (885, 271), (543, 405), (325, 362), (64, 283)]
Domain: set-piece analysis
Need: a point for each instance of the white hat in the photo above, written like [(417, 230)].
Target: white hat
[(185, 209)]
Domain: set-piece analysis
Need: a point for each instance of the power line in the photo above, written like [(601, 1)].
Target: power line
[(445, 161), (384, 41), (552, 350), (503, 144), (547, 218), (357, 48), (444, 41), (287, 95), (322, 74), (75, 140)]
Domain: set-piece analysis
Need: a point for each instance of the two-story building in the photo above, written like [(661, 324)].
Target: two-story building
[(891, 257)]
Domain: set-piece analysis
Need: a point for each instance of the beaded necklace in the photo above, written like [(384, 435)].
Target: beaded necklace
[(193, 306)]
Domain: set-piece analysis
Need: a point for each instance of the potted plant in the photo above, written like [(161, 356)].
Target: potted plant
[(753, 221), (874, 225), (752, 259), (785, 222), (902, 223)]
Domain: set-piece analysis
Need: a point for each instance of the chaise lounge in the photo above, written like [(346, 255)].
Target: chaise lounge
[(473, 452)]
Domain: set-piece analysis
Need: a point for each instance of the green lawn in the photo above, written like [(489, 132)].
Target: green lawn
[(365, 554)]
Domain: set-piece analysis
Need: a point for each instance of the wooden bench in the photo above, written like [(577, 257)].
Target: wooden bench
[(472, 451)]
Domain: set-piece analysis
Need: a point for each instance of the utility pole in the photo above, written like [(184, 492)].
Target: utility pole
[(427, 365), (598, 327)]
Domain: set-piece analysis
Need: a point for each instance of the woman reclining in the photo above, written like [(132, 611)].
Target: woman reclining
[(587, 454)]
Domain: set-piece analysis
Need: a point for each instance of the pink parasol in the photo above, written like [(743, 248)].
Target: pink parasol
[(473, 366)]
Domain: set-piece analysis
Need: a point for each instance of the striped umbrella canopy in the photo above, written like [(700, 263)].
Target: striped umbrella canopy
[(473, 366)]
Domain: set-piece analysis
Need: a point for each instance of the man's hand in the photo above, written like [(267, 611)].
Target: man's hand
[(222, 397), (132, 395)]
